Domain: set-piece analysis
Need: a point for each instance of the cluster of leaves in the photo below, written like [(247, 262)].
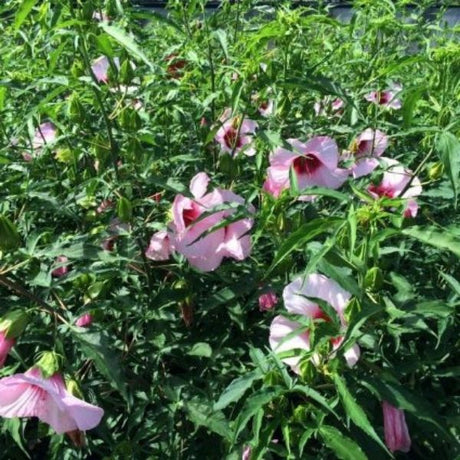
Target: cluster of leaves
[(179, 359)]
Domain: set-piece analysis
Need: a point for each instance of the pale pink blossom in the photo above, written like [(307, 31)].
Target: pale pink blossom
[(63, 267), (295, 296), (267, 300), (44, 135), (366, 148), (387, 98), (105, 204), (31, 395), (236, 134), (192, 234), (100, 68), (328, 107), (84, 320), (6, 344), (314, 163), (395, 427), (159, 247), (395, 184), (266, 108)]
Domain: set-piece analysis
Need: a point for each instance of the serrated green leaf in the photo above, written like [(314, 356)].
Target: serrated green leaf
[(435, 236), (448, 147), (354, 411), (97, 346), (344, 447), (236, 389), (126, 41)]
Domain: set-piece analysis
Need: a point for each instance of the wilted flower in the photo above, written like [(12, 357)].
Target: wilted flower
[(32, 395), (267, 300), (395, 183), (366, 148), (159, 247), (84, 320), (395, 427), (45, 134), (386, 98), (314, 164), (175, 66), (192, 234), (63, 267), (235, 135), (295, 296)]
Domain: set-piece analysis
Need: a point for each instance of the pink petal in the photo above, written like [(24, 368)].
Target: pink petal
[(159, 247), (199, 184), (314, 285), (364, 166), (279, 329)]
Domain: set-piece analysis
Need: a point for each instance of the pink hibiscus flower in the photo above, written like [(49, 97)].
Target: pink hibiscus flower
[(31, 395), (100, 68), (395, 428), (386, 98), (395, 183), (160, 246), (295, 300), (328, 107), (367, 147), (236, 134), (45, 134), (193, 218), (314, 164)]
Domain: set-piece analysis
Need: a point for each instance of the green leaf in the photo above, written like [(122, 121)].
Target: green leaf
[(440, 238), (301, 236), (201, 415), (344, 447), (236, 389), (126, 41), (354, 411), (221, 36), (448, 147), (316, 396), (253, 404), (201, 349), (23, 12), (97, 346), (13, 427)]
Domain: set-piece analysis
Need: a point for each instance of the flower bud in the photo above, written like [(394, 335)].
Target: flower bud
[(267, 300), (373, 279), (395, 427), (62, 269), (49, 363), (13, 323), (84, 321), (436, 171), (126, 72), (9, 236)]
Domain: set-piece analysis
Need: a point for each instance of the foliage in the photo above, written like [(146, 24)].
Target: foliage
[(179, 359)]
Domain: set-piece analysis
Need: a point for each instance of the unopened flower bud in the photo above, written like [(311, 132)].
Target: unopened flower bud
[(49, 363), (373, 279), (436, 171), (13, 323)]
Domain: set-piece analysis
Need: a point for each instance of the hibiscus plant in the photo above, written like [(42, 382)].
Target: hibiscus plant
[(229, 233)]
